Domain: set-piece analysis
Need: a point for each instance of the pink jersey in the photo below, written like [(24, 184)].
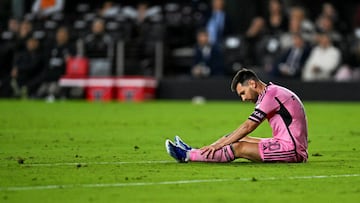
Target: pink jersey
[(286, 116)]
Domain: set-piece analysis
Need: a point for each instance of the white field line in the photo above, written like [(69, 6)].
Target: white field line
[(94, 163), (98, 163), (103, 185)]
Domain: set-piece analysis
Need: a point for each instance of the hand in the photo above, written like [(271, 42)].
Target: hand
[(284, 69), (196, 71), (209, 151)]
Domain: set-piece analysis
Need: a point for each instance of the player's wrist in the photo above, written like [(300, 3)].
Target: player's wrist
[(217, 145)]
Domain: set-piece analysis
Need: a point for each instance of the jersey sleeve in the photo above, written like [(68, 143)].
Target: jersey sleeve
[(257, 116), (265, 107)]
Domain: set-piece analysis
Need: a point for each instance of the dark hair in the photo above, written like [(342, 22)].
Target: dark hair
[(201, 30), (242, 76), (66, 29)]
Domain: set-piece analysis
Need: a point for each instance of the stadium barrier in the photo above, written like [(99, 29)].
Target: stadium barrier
[(122, 89), (219, 89)]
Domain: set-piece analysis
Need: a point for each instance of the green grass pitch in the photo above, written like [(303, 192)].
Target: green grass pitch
[(77, 151)]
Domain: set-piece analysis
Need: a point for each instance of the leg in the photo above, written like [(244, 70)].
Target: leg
[(229, 153), (225, 154), (251, 139), (41, 92), (274, 150), (54, 88), (247, 150), (246, 139)]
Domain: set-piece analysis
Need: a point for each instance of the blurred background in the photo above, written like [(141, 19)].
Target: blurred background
[(49, 49)]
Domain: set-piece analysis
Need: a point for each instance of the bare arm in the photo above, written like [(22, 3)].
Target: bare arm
[(244, 129), (220, 140)]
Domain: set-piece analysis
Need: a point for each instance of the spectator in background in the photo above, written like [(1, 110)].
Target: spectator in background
[(27, 66), (44, 8), (256, 27), (13, 27), (208, 59), (58, 53), (330, 11), (253, 35), (144, 34), (7, 52), (142, 17), (218, 23), (109, 9), (325, 24), (99, 48), (98, 44), (286, 38), (307, 27), (25, 32), (323, 60), (276, 20), (350, 69), (263, 34), (292, 61), (8, 41), (142, 12)]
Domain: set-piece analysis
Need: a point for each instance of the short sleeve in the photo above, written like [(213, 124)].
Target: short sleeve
[(257, 116), (265, 107)]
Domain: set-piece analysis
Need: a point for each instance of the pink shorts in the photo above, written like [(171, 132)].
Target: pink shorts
[(274, 150)]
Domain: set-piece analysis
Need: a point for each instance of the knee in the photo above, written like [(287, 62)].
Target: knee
[(246, 150), (239, 149)]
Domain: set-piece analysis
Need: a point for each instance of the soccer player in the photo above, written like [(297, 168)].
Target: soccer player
[(285, 114)]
